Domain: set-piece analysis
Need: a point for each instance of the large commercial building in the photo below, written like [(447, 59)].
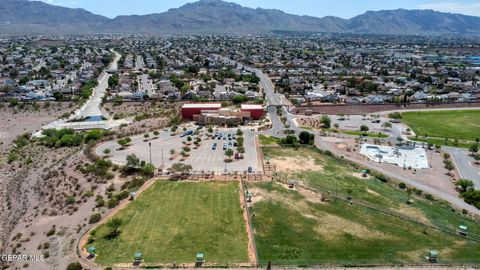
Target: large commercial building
[(213, 113)]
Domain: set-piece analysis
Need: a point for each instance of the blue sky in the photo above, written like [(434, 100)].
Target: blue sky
[(319, 8)]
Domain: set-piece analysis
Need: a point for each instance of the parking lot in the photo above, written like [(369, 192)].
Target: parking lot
[(204, 158)]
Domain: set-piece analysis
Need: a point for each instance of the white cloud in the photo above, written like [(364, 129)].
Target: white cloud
[(472, 8)]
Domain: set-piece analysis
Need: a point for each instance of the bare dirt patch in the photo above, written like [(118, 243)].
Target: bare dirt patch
[(360, 175), (298, 163), (413, 213), (331, 227), (373, 192)]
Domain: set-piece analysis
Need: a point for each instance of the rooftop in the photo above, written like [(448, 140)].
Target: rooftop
[(252, 107), (202, 106)]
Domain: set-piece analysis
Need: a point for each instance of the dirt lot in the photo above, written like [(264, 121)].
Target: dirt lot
[(292, 164), (16, 121)]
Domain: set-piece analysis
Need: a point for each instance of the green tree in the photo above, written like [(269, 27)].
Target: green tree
[(364, 128), (464, 184), (133, 161), (386, 125), (326, 121), (306, 137), (180, 169), (474, 149), (229, 153), (107, 151), (114, 225)]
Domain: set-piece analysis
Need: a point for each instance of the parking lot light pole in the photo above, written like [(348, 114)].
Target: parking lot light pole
[(225, 171), (150, 149)]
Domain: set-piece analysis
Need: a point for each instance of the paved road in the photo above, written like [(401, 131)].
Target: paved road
[(463, 162), (145, 85), (271, 97), (93, 105), (139, 63), (91, 108)]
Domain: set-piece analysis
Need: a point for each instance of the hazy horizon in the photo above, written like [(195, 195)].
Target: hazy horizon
[(339, 8)]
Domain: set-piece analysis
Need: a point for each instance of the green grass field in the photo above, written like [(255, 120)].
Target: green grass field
[(267, 140), (291, 230), (461, 124), (172, 221)]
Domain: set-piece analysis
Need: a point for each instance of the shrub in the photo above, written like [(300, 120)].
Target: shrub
[(94, 218), (51, 231), (112, 202), (402, 186), (74, 266)]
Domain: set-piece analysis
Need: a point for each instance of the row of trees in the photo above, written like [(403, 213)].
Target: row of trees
[(304, 138)]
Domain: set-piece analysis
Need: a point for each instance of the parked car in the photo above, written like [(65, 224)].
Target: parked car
[(250, 169), (214, 146), (224, 146)]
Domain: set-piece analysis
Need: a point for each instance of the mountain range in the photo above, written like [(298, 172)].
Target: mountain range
[(23, 17)]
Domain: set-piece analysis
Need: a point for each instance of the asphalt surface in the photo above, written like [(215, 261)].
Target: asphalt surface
[(139, 63), (93, 106), (464, 163), (202, 159), (145, 85)]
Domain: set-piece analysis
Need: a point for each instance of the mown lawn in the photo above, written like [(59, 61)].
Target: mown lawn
[(291, 230), (172, 221), (460, 125)]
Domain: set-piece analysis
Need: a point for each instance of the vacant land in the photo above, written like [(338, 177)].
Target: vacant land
[(28, 117), (294, 227), (171, 222), (461, 125)]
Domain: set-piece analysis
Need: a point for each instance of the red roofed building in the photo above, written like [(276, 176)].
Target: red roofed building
[(256, 111), (192, 109)]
